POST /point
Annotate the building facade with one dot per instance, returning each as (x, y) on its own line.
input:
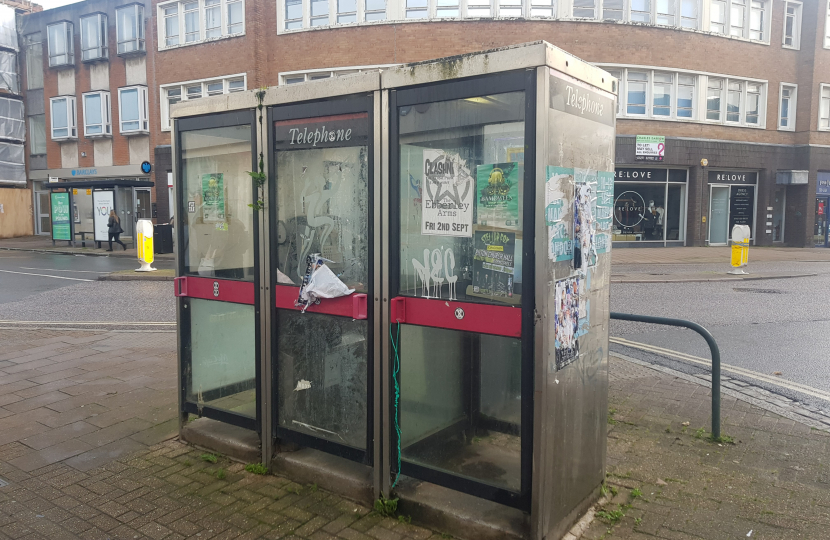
(88, 108)
(724, 105)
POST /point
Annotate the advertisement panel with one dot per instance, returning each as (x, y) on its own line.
(102, 204)
(60, 217)
(650, 148)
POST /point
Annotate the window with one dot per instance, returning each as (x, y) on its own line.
(346, 11)
(193, 21)
(447, 8)
(641, 11)
(824, 107)
(827, 28)
(37, 134)
(542, 8)
(187, 91)
(714, 93)
(8, 72)
(64, 125)
(61, 44)
(617, 74)
(94, 37)
(739, 18)
(375, 10)
(662, 91)
(132, 106)
(733, 101)
(688, 13)
(613, 9)
(685, 96)
(34, 60)
(319, 12)
(637, 83)
(792, 25)
(665, 12)
(97, 121)
(130, 28)
(753, 103)
(584, 8)
(295, 77)
(510, 8)
(294, 14)
(786, 107)
(478, 8)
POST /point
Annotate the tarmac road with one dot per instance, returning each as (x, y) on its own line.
(766, 326)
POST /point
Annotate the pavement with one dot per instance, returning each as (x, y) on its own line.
(44, 243)
(89, 450)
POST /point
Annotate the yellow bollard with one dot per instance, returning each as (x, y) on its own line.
(144, 245)
(740, 249)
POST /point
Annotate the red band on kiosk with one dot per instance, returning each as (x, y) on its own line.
(354, 306)
(469, 317)
(225, 290)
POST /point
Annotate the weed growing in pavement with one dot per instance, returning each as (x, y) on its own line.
(611, 413)
(386, 507)
(611, 516)
(723, 439)
(313, 488)
(405, 519)
(220, 474)
(700, 433)
(637, 521)
(256, 468)
(187, 463)
(210, 458)
(668, 430)
(445, 535)
(636, 493)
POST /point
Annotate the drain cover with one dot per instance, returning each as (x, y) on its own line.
(758, 291)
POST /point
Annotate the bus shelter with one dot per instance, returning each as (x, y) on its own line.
(409, 270)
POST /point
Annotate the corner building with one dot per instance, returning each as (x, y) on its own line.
(733, 94)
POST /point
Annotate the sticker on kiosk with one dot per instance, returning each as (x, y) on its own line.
(447, 195)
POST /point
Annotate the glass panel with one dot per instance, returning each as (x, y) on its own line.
(223, 356)
(675, 219)
(688, 13)
(641, 11)
(236, 17)
(236, 85)
(191, 22)
(663, 84)
(416, 9)
(779, 198)
(346, 11)
(447, 8)
(584, 8)
(733, 102)
(612, 9)
(194, 92)
(219, 236)
(330, 355)
(785, 106)
(34, 61)
(37, 134)
(719, 215)
(171, 25)
(480, 9)
(637, 92)
(717, 12)
(665, 12)
(639, 211)
(319, 12)
(789, 25)
(736, 18)
(713, 98)
(213, 19)
(58, 50)
(129, 109)
(685, 96)
(293, 14)
(756, 20)
(128, 29)
(820, 231)
(461, 208)
(453, 421)
(59, 116)
(510, 8)
(91, 41)
(215, 88)
(824, 108)
(92, 112)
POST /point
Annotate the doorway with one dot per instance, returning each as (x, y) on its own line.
(143, 209)
(820, 234)
(779, 202)
(44, 221)
(718, 215)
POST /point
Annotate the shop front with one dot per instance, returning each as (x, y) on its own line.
(821, 237)
(650, 206)
(363, 270)
(732, 201)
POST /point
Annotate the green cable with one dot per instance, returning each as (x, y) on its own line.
(396, 370)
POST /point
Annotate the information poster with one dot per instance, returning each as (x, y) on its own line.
(497, 192)
(650, 148)
(60, 217)
(605, 211)
(559, 183)
(447, 195)
(213, 198)
(102, 204)
(741, 206)
(494, 263)
(566, 322)
(585, 204)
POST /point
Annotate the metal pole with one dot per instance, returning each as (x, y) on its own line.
(713, 349)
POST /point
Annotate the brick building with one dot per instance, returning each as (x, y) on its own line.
(735, 94)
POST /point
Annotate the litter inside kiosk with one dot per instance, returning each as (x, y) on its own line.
(397, 283)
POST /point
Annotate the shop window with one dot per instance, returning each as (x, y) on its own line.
(130, 28)
(219, 231)
(651, 208)
(637, 85)
(34, 60)
(132, 106)
(824, 107)
(97, 121)
(792, 25)
(64, 126)
(787, 107)
(208, 20)
(543, 8)
(37, 134)
(61, 44)
(173, 93)
(739, 18)
(94, 37)
(375, 10)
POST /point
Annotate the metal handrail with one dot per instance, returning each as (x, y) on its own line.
(713, 348)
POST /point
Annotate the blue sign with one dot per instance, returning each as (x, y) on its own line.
(84, 172)
(823, 184)
(146, 167)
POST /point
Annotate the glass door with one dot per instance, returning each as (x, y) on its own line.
(779, 202)
(322, 273)
(217, 238)
(142, 204)
(718, 215)
(820, 234)
(44, 220)
(458, 231)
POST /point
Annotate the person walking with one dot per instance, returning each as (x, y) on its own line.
(114, 230)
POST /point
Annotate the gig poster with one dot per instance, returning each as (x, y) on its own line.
(213, 198)
(447, 195)
(605, 211)
(585, 202)
(497, 193)
(566, 321)
(558, 187)
(494, 263)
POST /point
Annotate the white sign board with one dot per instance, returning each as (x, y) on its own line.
(650, 148)
(447, 197)
(102, 203)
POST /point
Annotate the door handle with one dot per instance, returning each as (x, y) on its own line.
(398, 309)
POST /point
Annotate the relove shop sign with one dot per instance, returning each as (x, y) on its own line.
(732, 177)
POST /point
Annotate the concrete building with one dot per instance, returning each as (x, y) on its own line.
(738, 89)
(88, 107)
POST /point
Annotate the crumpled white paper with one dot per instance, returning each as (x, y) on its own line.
(323, 283)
